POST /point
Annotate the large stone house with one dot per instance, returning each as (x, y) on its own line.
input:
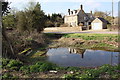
(78, 17)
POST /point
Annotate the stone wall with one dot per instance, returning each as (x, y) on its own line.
(63, 29)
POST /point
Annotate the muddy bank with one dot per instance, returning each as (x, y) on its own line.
(85, 44)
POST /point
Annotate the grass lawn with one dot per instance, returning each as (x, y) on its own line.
(90, 36)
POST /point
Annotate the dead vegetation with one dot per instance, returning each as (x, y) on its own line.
(23, 40)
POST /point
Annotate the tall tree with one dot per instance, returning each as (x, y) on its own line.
(54, 20)
(8, 20)
(39, 18)
(32, 18)
(105, 15)
(21, 21)
(5, 10)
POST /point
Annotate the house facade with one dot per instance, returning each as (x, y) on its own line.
(78, 17)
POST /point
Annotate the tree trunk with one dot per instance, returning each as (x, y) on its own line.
(7, 40)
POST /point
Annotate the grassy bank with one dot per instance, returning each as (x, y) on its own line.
(95, 41)
(14, 69)
(86, 36)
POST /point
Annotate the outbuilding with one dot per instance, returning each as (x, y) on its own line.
(99, 24)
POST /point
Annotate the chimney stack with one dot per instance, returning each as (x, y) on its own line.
(75, 11)
(81, 6)
(69, 11)
(91, 12)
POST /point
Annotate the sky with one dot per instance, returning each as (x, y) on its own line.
(62, 6)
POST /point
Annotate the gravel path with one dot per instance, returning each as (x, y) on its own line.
(104, 32)
(76, 30)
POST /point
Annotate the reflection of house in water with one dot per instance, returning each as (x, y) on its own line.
(77, 51)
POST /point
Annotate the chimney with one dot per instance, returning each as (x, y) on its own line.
(81, 6)
(75, 11)
(69, 11)
(91, 12)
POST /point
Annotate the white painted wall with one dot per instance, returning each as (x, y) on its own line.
(97, 26)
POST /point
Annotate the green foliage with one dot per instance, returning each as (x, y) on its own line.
(69, 77)
(92, 36)
(22, 21)
(91, 74)
(7, 76)
(47, 66)
(14, 64)
(34, 68)
(49, 23)
(5, 62)
(73, 69)
(25, 69)
(54, 20)
(9, 21)
(38, 67)
(39, 63)
(31, 19)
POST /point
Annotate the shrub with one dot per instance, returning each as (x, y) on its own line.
(39, 63)
(14, 64)
(25, 69)
(47, 66)
(7, 76)
(60, 68)
(73, 69)
(5, 62)
(69, 76)
(64, 25)
(34, 68)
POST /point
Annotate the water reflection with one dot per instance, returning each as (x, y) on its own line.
(77, 51)
(81, 57)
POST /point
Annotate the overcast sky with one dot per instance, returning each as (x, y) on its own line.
(62, 6)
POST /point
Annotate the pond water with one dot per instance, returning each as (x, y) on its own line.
(82, 58)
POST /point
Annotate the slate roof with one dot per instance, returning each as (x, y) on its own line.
(103, 20)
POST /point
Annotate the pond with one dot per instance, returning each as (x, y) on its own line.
(82, 58)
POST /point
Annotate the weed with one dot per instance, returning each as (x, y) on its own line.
(14, 64)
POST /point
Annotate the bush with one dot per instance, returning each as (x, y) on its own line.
(64, 25)
(39, 66)
(73, 69)
(5, 62)
(49, 23)
(47, 66)
(34, 68)
(69, 76)
(14, 64)
(25, 69)
(39, 63)
(7, 76)
(60, 68)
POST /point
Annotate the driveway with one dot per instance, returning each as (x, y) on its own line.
(62, 30)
